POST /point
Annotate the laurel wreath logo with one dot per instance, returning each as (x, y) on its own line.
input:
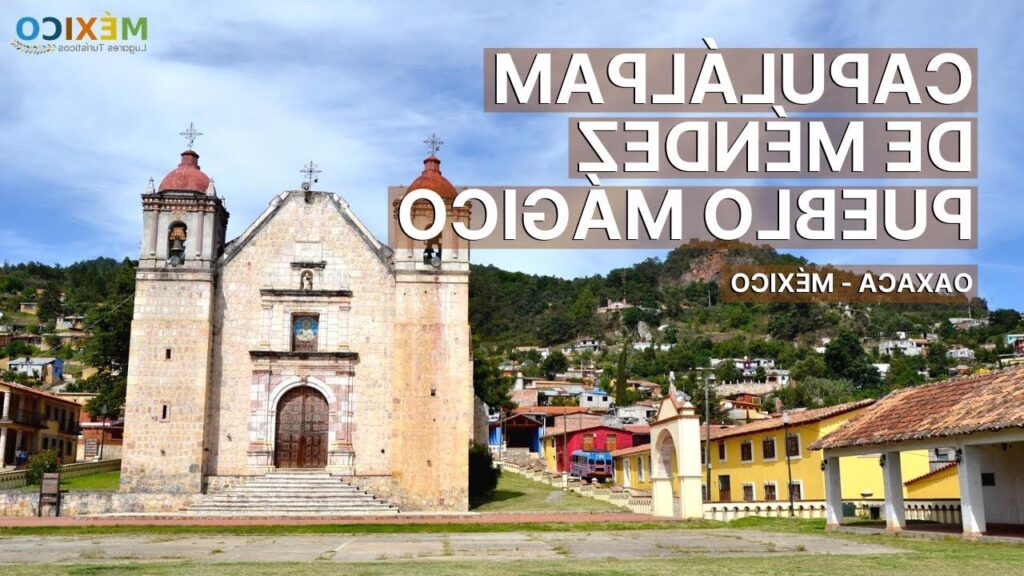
(33, 49)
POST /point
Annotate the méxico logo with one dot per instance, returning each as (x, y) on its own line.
(81, 34)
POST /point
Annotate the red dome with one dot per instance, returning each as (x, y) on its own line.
(187, 177)
(431, 179)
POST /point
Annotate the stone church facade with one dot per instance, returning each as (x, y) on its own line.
(303, 344)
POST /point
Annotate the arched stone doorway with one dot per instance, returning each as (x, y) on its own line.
(300, 439)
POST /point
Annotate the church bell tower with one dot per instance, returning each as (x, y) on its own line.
(432, 376)
(183, 228)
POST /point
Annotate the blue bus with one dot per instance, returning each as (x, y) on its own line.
(590, 465)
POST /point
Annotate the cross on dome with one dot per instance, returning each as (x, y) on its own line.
(190, 134)
(433, 144)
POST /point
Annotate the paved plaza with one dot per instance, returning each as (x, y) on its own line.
(628, 544)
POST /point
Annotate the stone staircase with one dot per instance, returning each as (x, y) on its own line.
(306, 494)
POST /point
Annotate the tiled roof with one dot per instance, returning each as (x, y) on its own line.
(20, 388)
(550, 410)
(575, 423)
(796, 418)
(963, 405)
(642, 448)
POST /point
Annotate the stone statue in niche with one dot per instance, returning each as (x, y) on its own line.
(306, 280)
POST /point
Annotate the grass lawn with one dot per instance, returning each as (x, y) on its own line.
(99, 482)
(517, 493)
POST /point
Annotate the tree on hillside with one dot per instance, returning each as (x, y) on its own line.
(845, 359)
(813, 366)
(488, 383)
(937, 361)
(555, 362)
(621, 388)
(110, 324)
(49, 303)
(904, 371)
(727, 371)
(813, 393)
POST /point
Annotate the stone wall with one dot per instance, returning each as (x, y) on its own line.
(19, 503)
(316, 231)
(168, 375)
(433, 398)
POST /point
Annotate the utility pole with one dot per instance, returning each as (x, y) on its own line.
(707, 433)
(565, 448)
(789, 465)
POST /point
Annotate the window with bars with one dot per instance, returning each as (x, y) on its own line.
(747, 451)
(796, 491)
(721, 451)
(770, 492)
(748, 492)
(793, 445)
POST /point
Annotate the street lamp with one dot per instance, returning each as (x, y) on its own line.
(789, 465)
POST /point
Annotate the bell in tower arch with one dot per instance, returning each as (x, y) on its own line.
(176, 244)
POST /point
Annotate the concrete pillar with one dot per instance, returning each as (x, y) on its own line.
(3, 446)
(8, 400)
(892, 480)
(689, 464)
(17, 440)
(972, 500)
(663, 503)
(833, 494)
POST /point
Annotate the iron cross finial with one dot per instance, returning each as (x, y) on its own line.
(190, 134)
(433, 144)
(311, 171)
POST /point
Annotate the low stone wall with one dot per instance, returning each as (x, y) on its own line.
(25, 503)
(726, 511)
(638, 503)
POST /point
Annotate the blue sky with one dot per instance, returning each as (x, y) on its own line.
(357, 86)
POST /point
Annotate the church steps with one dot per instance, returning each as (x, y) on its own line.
(292, 494)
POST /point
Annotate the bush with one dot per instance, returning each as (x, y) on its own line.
(40, 464)
(483, 476)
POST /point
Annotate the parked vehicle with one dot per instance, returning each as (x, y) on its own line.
(591, 465)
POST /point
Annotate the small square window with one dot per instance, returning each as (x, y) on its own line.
(165, 412)
(988, 479)
(167, 354)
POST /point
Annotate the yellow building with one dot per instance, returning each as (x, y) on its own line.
(753, 462)
(34, 421)
(939, 484)
(633, 467)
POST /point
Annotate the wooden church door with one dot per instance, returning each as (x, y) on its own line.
(301, 440)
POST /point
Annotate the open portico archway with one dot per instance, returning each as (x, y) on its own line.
(301, 430)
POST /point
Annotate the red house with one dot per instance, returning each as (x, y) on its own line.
(590, 437)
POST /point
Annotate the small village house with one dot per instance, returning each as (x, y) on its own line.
(981, 416)
(588, 433)
(48, 370)
(595, 399)
(34, 421)
(100, 438)
(29, 308)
